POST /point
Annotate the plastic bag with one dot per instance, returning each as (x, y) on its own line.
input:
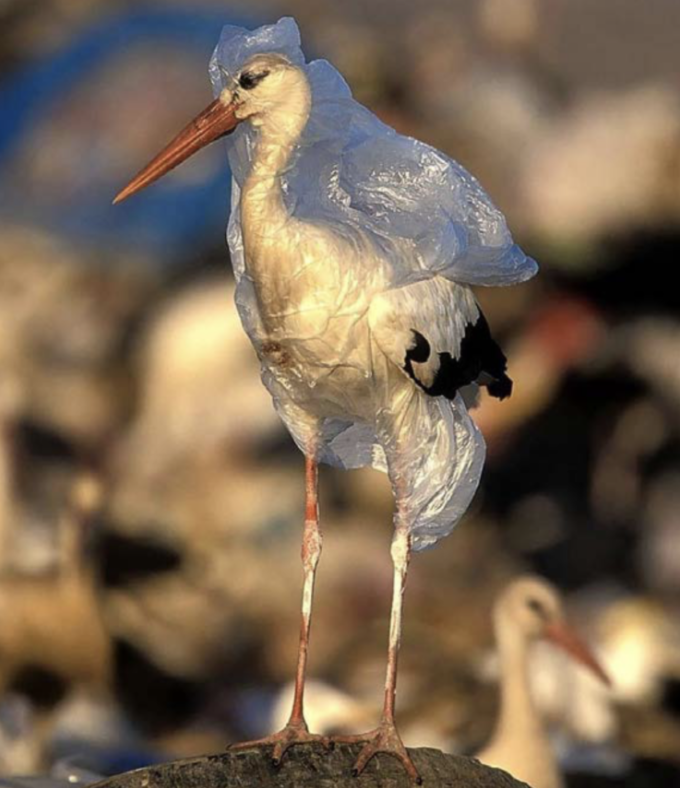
(381, 212)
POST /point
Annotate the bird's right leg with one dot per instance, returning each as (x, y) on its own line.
(385, 738)
(296, 730)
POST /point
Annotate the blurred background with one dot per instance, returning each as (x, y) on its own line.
(150, 501)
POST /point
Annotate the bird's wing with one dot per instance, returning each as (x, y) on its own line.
(406, 189)
(435, 332)
(434, 451)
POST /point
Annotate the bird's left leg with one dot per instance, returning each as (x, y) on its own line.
(385, 738)
(296, 730)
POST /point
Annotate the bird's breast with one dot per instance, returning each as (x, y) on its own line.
(313, 289)
(322, 358)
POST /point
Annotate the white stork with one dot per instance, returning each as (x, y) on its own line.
(353, 249)
(529, 609)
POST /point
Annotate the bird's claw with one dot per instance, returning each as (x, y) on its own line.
(295, 732)
(385, 739)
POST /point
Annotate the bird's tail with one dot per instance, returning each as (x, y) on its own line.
(500, 387)
(493, 362)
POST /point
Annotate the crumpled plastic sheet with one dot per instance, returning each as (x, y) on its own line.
(425, 219)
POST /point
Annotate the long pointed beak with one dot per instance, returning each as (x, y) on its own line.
(216, 120)
(566, 638)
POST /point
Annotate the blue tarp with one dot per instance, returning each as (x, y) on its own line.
(166, 222)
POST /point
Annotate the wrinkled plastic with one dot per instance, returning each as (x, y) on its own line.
(380, 211)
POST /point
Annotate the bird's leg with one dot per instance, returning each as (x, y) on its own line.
(311, 551)
(296, 731)
(385, 738)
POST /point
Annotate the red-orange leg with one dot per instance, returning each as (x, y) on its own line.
(296, 731)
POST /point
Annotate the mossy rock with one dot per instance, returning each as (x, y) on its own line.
(310, 766)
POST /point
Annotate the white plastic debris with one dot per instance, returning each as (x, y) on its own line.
(390, 231)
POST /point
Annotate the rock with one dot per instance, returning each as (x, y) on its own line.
(310, 766)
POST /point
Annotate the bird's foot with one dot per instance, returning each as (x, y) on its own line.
(295, 732)
(385, 738)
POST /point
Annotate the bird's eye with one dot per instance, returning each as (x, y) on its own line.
(249, 79)
(537, 607)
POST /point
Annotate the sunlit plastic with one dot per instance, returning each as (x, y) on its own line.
(401, 213)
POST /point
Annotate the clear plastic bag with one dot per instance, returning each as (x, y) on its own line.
(379, 206)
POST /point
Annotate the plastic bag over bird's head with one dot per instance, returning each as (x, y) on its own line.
(351, 167)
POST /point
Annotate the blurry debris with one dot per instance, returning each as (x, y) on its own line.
(605, 167)
(510, 24)
(92, 735)
(52, 636)
(200, 385)
(652, 350)
(613, 280)
(617, 481)
(328, 710)
(20, 752)
(9, 403)
(186, 497)
(570, 436)
(43, 688)
(123, 559)
(670, 697)
(75, 526)
(640, 639)
(66, 144)
(653, 739)
(52, 624)
(156, 700)
(361, 56)
(64, 322)
(435, 47)
(659, 550)
(74, 773)
(43, 444)
(32, 27)
(559, 336)
(537, 522)
(451, 707)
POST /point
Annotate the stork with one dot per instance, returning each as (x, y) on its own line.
(529, 609)
(354, 249)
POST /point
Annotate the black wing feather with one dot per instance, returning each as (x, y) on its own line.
(480, 358)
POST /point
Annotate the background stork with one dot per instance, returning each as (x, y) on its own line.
(528, 610)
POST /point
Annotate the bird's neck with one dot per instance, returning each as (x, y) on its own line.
(518, 716)
(264, 215)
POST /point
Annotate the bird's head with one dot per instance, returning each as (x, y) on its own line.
(531, 609)
(266, 86)
(267, 90)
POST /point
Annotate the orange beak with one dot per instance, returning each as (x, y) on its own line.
(216, 120)
(564, 636)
